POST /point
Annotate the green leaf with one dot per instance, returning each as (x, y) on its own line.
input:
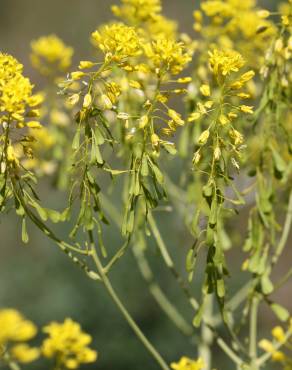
(170, 148)
(213, 212)
(53, 215)
(144, 166)
(279, 163)
(199, 315)
(24, 234)
(220, 288)
(266, 284)
(281, 312)
(158, 174)
(76, 140)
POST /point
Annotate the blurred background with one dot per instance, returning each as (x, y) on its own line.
(42, 282)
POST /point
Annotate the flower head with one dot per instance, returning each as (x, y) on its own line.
(68, 343)
(225, 62)
(14, 327)
(136, 11)
(117, 41)
(50, 55)
(16, 99)
(167, 55)
(15, 330)
(186, 363)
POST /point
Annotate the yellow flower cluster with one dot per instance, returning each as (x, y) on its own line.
(15, 330)
(68, 344)
(50, 55)
(136, 11)
(16, 100)
(282, 340)
(146, 14)
(117, 41)
(167, 55)
(18, 106)
(186, 363)
(235, 23)
(225, 62)
(225, 66)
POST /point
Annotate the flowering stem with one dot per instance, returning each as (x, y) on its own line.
(123, 309)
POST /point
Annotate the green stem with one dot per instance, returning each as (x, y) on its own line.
(123, 309)
(221, 343)
(162, 300)
(160, 297)
(253, 332)
(285, 234)
(169, 262)
(207, 335)
(237, 360)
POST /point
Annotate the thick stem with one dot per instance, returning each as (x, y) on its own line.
(162, 300)
(207, 335)
(169, 262)
(253, 333)
(123, 309)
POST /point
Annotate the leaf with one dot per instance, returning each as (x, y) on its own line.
(199, 315)
(281, 312)
(53, 215)
(158, 174)
(170, 148)
(144, 166)
(24, 234)
(266, 284)
(95, 153)
(41, 211)
(279, 163)
(76, 140)
(213, 212)
(220, 288)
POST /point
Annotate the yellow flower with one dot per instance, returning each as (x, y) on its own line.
(205, 90)
(87, 101)
(242, 80)
(194, 116)
(266, 345)
(16, 97)
(223, 119)
(117, 41)
(225, 62)
(136, 11)
(278, 333)
(77, 75)
(14, 327)
(24, 353)
(246, 109)
(186, 363)
(143, 121)
(50, 55)
(73, 99)
(167, 55)
(68, 343)
(84, 64)
(176, 117)
(203, 138)
(236, 136)
(34, 124)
